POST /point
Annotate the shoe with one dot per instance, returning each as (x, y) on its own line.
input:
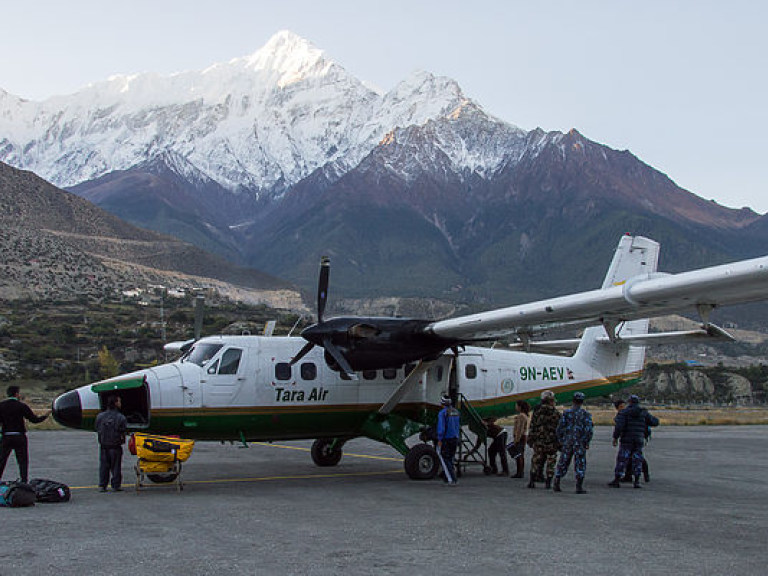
(102, 489)
(580, 486)
(636, 483)
(616, 482)
(516, 476)
(557, 485)
(118, 489)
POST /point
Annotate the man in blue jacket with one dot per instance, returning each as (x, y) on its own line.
(629, 431)
(448, 430)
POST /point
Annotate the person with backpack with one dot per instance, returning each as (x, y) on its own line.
(631, 428)
(13, 412)
(111, 427)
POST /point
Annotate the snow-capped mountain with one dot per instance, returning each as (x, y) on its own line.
(258, 123)
(277, 158)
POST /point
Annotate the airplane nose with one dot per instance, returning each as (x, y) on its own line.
(67, 410)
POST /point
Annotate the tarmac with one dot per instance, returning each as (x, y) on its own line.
(267, 509)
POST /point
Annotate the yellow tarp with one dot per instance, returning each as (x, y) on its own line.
(162, 448)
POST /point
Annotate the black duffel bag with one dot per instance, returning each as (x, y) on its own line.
(50, 490)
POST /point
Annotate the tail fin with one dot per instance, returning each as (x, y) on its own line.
(635, 256)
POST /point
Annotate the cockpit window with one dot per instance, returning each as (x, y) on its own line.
(201, 353)
(230, 361)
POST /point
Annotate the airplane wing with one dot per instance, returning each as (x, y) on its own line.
(642, 296)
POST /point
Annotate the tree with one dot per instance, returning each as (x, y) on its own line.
(108, 367)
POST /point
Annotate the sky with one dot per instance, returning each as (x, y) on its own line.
(681, 84)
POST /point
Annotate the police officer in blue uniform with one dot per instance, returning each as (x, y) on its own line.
(448, 430)
(574, 433)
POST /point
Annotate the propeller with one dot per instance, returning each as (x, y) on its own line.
(366, 343)
(322, 299)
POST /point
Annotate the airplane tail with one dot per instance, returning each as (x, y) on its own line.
(603, 347)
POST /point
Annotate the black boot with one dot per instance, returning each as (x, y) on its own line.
(580, 486)
(520, 464)
(616, 482)
(636, 483)
(532, 482)
(557, 484)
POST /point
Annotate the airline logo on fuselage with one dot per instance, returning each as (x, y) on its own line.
(314, 395)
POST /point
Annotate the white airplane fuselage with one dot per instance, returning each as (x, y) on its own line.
(247, 390)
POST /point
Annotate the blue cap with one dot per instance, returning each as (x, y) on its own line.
(579, 396)
(634, 399)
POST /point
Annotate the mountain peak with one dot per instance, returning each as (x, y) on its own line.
(290, 56)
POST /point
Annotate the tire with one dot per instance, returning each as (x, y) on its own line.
(323, 454)
(421, 462)
(162, 478)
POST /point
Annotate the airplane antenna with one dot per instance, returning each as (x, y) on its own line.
(299, 319)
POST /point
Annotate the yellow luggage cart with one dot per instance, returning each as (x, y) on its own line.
(160, 458)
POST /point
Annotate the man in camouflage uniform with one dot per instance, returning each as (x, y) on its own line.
(542, 437)
(574, 432)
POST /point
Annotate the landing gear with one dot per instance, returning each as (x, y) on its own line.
(326, 451)
(421, 462)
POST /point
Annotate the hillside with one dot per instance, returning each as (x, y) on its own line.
(57, 245)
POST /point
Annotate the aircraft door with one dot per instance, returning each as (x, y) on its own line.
(223, 377)
(471, 376)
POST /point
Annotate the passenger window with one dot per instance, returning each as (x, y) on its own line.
(308, 371)
(369, 374)
(389, 373)
(230, 361)
(470, 371)
(439, 373)
(283, 371)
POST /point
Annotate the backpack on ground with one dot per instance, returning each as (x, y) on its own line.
(50, 490)
(16, 494)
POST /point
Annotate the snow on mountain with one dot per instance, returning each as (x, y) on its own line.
(258, 123)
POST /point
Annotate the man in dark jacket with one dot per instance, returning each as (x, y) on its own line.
(111, 426)
(631, 428)
(542, 437)
(12, 414)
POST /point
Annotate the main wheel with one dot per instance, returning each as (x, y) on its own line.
(324, 454)
(421, 462)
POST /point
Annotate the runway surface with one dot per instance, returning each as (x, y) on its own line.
(267, 509)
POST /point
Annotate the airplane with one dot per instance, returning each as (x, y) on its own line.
(383, 378)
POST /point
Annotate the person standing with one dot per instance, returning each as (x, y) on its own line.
(111, 427)
(13, 412)
(620, 404)
(448, 430)
(498, 436)
(520, 436)
(574, 432)
(631, 428)
(542, 437)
